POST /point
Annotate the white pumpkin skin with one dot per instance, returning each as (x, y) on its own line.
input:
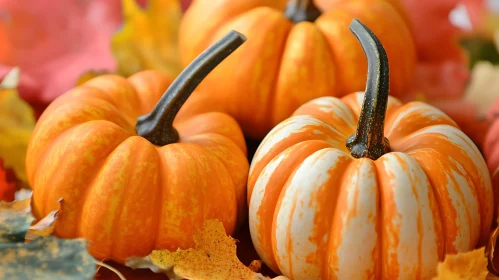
(315, 212)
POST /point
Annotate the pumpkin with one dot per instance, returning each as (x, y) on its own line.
(295, 53)
(131, 175)
(491, 143)
(329, 199)
(491, 147)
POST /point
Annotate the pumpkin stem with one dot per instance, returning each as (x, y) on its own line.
(369, 141)
(157, 126)
(302, 10)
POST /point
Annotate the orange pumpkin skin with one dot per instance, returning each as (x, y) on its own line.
(283, 65)
(316, 212)
(122, 193)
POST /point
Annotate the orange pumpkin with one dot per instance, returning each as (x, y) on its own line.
(294, 54)
(328, 200)
(133, 181)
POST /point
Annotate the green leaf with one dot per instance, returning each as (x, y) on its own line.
(15, 221)
(46, 258)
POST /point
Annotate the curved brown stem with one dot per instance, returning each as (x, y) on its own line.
(369, 141)
(157, 126)
(302, 10)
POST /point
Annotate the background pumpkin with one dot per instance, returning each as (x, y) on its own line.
(491, 147)
(131, 184)
(327, 201)
(284, 64)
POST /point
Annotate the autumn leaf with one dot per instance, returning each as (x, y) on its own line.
(214, 257)
(54, 44)
(483, 89)
(16, 124)
(466, 266)
(45, 256)
(148, 38)
(7, 186)
(85, 77)
(437, 39)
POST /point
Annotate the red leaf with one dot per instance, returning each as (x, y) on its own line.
(436, 38)
(7, 184)
(54, 44)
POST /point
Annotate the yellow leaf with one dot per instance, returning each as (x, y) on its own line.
(90, 75)
(483, 89)
(148, 39)
(214, 257)
(466, 266)
(17, 121)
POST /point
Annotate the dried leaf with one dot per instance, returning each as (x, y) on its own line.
(45, 257)
(148, 39)
(466, 266)
(16, 124)
(45, 226)
(54, 45)
(214, 257)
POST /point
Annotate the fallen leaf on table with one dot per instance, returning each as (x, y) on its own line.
(466, 266)
(15, 220)
(44, 257)
(54, 46)
(214, 257)
(148, 38)
(16, 124)
(45, 226)
(7, 186)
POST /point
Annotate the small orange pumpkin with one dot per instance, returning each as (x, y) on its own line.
(328, 200)
(133, 181)
(295, 53)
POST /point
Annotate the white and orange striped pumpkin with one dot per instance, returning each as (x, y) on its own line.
(375, 208)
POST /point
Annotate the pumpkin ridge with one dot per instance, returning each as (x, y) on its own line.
(326, 265)
(292, 60)
(210, 33)
(119, 212)
(81, 200)
(240, 203)
(438, 200)
(294, 156)
(161, 183)
(46, 150)
(124, 117)
(271, 98)
(453, 138)
(92, 177)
